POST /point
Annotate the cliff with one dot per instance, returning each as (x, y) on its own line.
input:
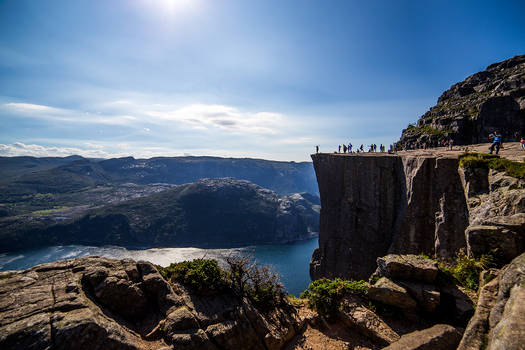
(493, 99)
(375, 204)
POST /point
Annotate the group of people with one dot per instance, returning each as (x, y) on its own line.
(361, 149)
(495, 137)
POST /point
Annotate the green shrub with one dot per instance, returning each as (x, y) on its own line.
(199, 274)
(324, 295)
(243, 277)
(491, 161)
(466, 270)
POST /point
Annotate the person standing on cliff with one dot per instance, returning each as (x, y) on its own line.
(349, 147)
(317, 149)
(522, 142)
(496, 142)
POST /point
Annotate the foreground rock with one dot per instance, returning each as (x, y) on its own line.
(407, 267)
(97, 303)
(409, 283)
(390, 293)
(499, 321)
(355, 314)
(438, 337)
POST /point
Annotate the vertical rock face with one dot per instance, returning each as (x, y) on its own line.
(375, 204)
(435, 199)
(362, 201)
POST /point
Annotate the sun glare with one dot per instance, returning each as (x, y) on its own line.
(175, 6)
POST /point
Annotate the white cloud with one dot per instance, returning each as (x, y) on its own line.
(21, 149)
(127, 113)
(29, 110)
(228, 118)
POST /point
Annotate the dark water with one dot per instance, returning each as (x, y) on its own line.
(289, 260)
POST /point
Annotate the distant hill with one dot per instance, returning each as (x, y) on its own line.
(28, 176)
(469, 111)
(222, 212)
(12, 167)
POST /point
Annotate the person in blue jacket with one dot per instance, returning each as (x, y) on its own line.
(496, 141)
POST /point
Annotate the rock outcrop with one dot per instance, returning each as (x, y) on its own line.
(487, 101)
(375, 204)
(372, 205)
(98, 303)
(499, 321)
(411, 284)
(496, 205)
(438, 337)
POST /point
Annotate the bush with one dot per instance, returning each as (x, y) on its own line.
(244, 277)
(200, 274)
(261, 284)
(324, 295)
(466, 270)
(491, 161)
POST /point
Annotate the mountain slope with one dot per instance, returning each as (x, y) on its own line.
(210, 212)
(282, 177)
(469, 111)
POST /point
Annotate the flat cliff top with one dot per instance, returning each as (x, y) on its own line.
(510, 150)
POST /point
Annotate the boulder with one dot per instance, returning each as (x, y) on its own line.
(457, 303)
(390, 293)
(427, 296)
(438, 337)
(407, 267)
(355, 314)
(498, 241)
(475, 335)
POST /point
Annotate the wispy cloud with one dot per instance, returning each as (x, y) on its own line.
(30, 110)
(124, 112)
(228, 118)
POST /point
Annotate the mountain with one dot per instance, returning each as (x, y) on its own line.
(12, 167)
(469, 111)
(222, 212)
(77, 174)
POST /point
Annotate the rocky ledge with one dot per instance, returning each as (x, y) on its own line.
(375, 204)
(98, 303)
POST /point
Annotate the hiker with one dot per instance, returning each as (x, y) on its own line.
(339, 149)
(496, 142)
(451, 143)
(522, 142)
(317, 149)
(349, 147)
(361, 148)
(344, 148)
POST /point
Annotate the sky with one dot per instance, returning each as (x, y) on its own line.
(234, 78)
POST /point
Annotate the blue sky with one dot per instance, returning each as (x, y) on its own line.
(265, 79)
